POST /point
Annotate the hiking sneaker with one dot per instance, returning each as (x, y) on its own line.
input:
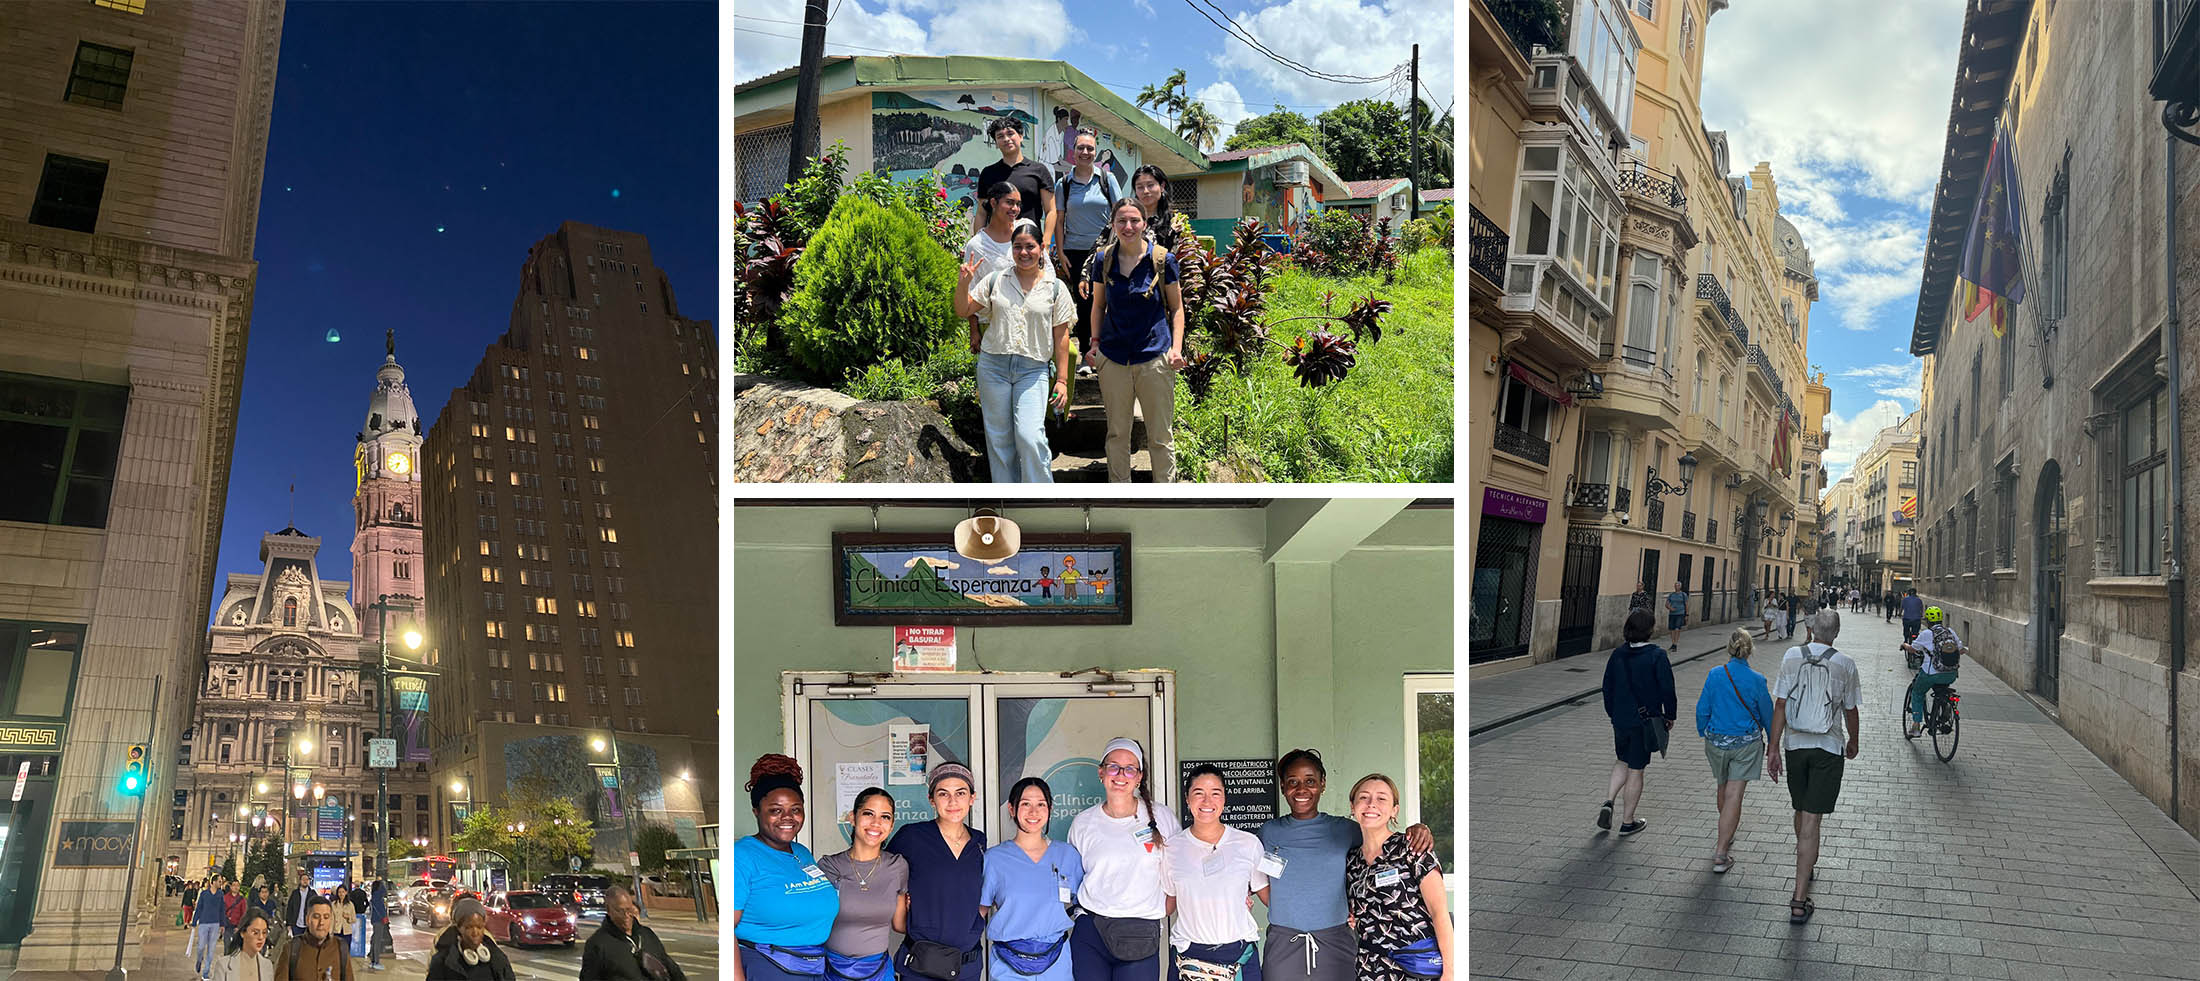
(1632, 826)
(1604, 816)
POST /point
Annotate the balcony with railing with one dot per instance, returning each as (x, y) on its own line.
(1637, 179)
(1708, 288)
(1517, 442)
(1591, 497)
(1564, 314)
(1486, 247)
(1761, 359)
(1656, 513)
(1711, 531)
(1688, 525)
(1622, 499)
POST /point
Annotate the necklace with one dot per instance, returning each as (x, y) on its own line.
(864, 881)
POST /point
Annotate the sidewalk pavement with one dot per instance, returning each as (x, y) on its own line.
(1499, 699)
(2023, 857)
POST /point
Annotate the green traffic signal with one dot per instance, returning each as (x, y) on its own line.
(134, 774)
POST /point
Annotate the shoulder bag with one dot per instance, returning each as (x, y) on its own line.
(1767, 730)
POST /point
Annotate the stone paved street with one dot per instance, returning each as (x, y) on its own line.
(2024, 857)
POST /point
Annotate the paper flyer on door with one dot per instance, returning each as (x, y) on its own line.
(906, 748)
(849, 779)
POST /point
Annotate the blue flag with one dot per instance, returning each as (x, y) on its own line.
(1992, 271)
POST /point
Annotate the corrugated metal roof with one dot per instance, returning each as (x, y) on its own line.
(1243, 153)
(1437, 194)
(1371, 189)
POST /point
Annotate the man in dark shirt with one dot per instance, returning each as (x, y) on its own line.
(1032, 179)
(623, 949)
(1913, 614)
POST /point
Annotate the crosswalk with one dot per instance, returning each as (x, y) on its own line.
(694, 949)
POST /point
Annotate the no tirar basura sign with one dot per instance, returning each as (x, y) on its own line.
(898, 578)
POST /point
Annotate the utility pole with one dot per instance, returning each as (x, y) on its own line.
(805, 90)
(1413, 123)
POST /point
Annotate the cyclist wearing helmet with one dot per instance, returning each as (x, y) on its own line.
(1935, 652)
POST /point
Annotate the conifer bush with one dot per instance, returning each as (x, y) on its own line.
(871, 287)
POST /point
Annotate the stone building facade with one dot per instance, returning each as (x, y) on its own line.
(132, 141)
(1642, 333)
(1887, 478)
(2047, 459)
(570, 518)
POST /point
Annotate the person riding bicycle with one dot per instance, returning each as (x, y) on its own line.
(1935, 652)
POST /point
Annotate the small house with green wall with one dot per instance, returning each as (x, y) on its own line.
(1388, 197)
(909, 114)
(1280, 185)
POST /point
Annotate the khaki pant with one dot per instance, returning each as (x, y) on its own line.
(1152, 385)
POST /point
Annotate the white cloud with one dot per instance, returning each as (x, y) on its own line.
(1000, 28)
(1898, 380)
(768, 33)
(1001, 570)
(1224, 101)
(1340, 37)
(1848, 437)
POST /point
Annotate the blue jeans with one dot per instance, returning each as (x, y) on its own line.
(209, 946)
(1012, 394)
(1922, 684)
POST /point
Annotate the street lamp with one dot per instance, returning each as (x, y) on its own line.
(412, 638)
(614, 781)
(1688, 476)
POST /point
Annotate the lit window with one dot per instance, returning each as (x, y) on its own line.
(126, 6)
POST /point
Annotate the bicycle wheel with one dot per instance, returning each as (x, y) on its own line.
(1907, 718)
(1946, 732)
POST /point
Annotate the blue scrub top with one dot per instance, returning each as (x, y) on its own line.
(1026, 895)
(1136, 327)
(784, 898)
(943, 889)
(1310, 895)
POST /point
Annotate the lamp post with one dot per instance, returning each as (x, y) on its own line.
(519, 842)
(462, 792)
(610, 743)
(1688, 476)
(381, 606)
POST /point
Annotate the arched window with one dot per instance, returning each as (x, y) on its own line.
(290, 612)
(1695, 398)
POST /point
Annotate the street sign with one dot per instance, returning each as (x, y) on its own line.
(22, 776)
(382, 754)
(634, 859)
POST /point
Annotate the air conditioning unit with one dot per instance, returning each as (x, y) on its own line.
(1291, 172)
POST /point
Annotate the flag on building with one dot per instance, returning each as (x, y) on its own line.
(1993, 270)
(1907, 514)
(1782, 460)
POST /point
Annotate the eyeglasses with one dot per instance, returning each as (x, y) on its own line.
(1120, 770)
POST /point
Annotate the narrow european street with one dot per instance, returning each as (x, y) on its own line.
(2023, 857)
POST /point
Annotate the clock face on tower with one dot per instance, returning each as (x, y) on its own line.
(399, 463)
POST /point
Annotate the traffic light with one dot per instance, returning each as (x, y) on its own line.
(134, 773)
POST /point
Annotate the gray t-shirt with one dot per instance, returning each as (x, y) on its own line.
(868, 895)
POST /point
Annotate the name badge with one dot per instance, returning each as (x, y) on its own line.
(813, 871)
(1212, 865)
(1144, 836)
(1064, 891)
(1387, 877)
(1271, 865)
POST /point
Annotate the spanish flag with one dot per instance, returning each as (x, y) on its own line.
(1992, 271)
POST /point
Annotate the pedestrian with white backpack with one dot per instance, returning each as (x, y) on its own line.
(1814, 721)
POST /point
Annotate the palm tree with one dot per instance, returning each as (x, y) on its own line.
(1166, 98)
(1199, 127)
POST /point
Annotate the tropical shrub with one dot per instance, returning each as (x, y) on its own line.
(1332, 242)
(870, 288)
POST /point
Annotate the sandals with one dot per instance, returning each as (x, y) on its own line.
(1604, 816)
(1721, 863)
(1807, 908)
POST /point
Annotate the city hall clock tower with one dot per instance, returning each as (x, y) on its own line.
(386, 546)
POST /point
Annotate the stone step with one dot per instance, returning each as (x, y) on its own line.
(1070, 469)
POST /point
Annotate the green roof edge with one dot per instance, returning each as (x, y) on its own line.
(960, 69)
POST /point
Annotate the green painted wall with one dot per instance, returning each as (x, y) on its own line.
(1205, 604)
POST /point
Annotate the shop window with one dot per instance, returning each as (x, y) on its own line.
(42, 658)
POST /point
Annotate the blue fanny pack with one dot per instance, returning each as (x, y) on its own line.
(1421, 959)
(1030, 957)
(855, 968)
(807, 961)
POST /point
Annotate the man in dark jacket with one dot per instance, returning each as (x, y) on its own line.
(299, 903)
(623, 949)
(1638, 689)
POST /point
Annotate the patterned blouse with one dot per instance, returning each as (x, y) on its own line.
(1385, 900)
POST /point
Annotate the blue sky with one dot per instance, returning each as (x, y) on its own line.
(416, 153)
(1128, 45)
(1849, 103)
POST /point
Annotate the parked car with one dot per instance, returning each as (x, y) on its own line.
(581, 892)
(664, 885)
(432, 904)
(526, 917)
(404, 896)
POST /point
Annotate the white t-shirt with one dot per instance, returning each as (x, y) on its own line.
(1122, 864)
(1834, 740)
(991, 257)
(1210, 883)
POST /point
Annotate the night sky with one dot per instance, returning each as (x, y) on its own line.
(417, 151)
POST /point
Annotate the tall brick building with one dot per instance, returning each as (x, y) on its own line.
(132, 140)
(571, 522)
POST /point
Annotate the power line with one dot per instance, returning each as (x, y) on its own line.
(768, 20)
(843, 44)
(1234, 30)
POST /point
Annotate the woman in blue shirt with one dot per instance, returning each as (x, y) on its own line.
(1731, 716)
(1028, 884)
(1308, 938)
(1138, 328)
(946, 860)
(783, 905)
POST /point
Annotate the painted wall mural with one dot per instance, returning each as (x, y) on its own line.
(943, 131)
(1279, 206)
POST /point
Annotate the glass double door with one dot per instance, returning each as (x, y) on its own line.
(891, 734)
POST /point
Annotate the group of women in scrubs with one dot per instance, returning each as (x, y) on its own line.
(1131, 896)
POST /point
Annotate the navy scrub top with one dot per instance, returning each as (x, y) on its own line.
(1135, 327)
(943, 889)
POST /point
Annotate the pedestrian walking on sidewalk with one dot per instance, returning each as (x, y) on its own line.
(1768, 612)
(1642, 599)
(246, 958)
(1794, 610)
(464, 952)
(1676, 614)
(1913, 615)
(207, 920)
(1731, 714)
(1639, 699)
(378, 915)
(1816, 693)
